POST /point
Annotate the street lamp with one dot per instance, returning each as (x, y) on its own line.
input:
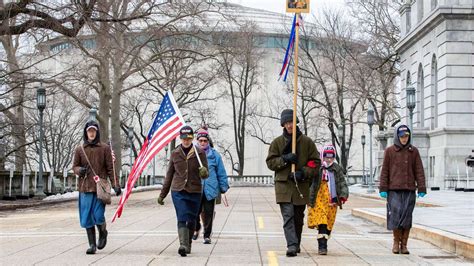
(362, 141)
(370, 122)
(130, 138)
(93, 114)
(41, 105)
(411, 103)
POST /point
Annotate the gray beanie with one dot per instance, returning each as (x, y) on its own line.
(287, 116)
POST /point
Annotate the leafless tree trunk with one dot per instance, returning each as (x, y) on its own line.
(14, 111)
(239, 61)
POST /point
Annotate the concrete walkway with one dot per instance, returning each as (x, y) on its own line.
(444, 218)
(248, 232)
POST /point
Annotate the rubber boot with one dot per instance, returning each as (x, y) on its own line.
(397, 236)
(102, 235)
(191, 233)
(320, 246)
(404, 241)
(91, 237)
(323, 250)
(183, 234)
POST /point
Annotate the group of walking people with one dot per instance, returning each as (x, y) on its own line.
(196, 178)
(319, 183)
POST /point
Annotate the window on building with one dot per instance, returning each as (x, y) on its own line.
(408, 20)
(431, 171)
(420, 88)
(434, 93)
(419, 10)
(407, 84)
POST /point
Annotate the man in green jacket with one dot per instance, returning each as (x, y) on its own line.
(292, 189)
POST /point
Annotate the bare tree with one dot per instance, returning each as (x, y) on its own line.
(380, 29)
(63, 132)
(63, 17)
(326, 76)
(239, 61)
(117, 50)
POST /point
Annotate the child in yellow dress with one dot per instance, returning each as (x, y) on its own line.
(328, 190)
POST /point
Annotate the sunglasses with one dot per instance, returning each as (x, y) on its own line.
(203, 140)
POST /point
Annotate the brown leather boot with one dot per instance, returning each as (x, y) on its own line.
(404, 241)
(397, 235)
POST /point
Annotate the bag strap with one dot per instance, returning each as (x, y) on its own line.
(87, 159)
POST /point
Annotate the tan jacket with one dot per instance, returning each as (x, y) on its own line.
(183, 172)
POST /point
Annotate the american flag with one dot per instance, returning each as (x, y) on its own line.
(165, 127)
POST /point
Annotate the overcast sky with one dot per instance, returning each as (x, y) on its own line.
(279, 5)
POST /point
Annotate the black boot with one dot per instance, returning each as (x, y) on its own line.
(102, 236)
(191, 233)
(322, 246)
(91, 237)
(291, 251)
(183, 234)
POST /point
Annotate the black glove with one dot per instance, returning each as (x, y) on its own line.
(82, 171)
(290, 158)
(299, 175)
(118, 191)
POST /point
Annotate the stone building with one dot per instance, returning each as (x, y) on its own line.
(437, 59)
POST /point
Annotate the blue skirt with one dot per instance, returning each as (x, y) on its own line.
(91, 210)
(400, 206)
(186, 205)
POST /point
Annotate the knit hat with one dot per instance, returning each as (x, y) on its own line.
(202, 133)
(287, 116)
(186, 132)
(402, 131)
(329, 151)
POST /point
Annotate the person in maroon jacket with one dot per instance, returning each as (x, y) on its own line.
(401, 176)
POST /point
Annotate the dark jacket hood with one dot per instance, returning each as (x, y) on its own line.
(97, 136)
(396, 139)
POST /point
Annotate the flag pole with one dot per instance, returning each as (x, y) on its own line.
(295, 89)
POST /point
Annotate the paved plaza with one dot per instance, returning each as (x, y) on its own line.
(248, 232)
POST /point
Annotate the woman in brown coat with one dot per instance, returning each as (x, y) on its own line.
(90, 159)
(184, 179)
(402, 174)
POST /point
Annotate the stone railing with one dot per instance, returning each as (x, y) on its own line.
(22, 185)
(251, 180)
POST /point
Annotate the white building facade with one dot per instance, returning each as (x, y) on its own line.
(437, 59)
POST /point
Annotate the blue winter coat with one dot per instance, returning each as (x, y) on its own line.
(217, 181)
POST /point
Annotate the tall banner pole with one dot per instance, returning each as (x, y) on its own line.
(295, 89)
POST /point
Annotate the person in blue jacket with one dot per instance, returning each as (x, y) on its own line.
(213, 186)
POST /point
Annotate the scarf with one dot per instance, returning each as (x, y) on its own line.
(328, 176)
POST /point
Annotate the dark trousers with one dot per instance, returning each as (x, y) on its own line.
(293, 221)
(207, 214)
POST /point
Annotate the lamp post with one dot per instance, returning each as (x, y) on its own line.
(362, 141)
(93, 114)
(411, 103)
(370, 122)
(130, 139)
(41, 105)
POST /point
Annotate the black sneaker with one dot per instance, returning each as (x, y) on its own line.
(207, 240)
